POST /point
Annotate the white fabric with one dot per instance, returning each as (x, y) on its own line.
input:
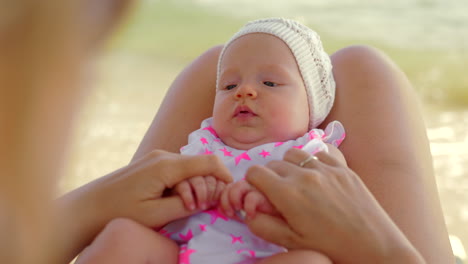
(211, 238)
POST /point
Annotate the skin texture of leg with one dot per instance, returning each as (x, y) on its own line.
(297, 256)
(125, 241)
(386, 142)
(192, 105)
(388, 147)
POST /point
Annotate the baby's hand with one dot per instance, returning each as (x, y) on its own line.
(200, 192)
(243, 196)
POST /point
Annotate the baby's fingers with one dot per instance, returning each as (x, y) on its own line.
(185, 191)
(225, 205)
(220, 187)
(200, 189)
(237, 193)
(211, 183)
(256, 201)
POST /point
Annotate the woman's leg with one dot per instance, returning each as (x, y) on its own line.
(297, 256)
(187, 103)
(387, 145)
(125, 241)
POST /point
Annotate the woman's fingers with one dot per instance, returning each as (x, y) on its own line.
(272, 185)
(171, 168)
(296, 156)
(273, 229)
(159, 212)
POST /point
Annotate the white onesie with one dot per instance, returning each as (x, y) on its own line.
(210, 237)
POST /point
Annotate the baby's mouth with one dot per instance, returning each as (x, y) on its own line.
(243, 111)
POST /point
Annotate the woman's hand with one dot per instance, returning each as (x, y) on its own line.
(136, 191)
(241, 195)
(325, 206)
(200, 192)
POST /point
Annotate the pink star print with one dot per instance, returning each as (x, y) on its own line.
(207, 152)
(236, 239)
(338, 141)
(313, 135)
(204, 141)
(211, 130)
(184, 255)
(251, 252)
(186, 237)
(215, 215)
(244, 155)
(226, 152)
(277, 144)
(298, 147)
(264, 153)
(202, 227)
(165, 233)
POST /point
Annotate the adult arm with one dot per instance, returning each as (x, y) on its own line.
(134, 191)
(386, 142)
(187, 103)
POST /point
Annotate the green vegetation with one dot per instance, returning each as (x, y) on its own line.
(178, 31)
(173, 29)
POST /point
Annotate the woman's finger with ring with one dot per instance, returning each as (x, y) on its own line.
(300, 158)
(307, 160)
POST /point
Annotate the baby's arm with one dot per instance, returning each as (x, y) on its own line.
(200, 192)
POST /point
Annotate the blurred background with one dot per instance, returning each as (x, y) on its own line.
(428, 39)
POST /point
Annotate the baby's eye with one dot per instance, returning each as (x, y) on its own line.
(231, 86)
(268, 83)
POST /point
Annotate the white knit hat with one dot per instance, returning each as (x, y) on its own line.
(314, 63)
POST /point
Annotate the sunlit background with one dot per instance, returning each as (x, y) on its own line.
(428, 39)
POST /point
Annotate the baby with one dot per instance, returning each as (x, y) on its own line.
(274, 87)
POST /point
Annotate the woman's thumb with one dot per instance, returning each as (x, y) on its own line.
(160, 212)
(273, 229)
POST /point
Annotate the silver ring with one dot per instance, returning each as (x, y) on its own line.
(307, 160)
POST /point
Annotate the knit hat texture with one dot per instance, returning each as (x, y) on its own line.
(314, 63)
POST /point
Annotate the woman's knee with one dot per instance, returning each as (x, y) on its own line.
(363, 69)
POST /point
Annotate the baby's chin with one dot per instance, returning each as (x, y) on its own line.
(246, 143)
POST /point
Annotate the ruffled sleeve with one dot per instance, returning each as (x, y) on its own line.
(334, 133)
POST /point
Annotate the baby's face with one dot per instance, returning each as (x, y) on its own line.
(260, 97)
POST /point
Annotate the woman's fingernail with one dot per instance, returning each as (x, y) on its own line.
(241, 214)
(192, 207)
